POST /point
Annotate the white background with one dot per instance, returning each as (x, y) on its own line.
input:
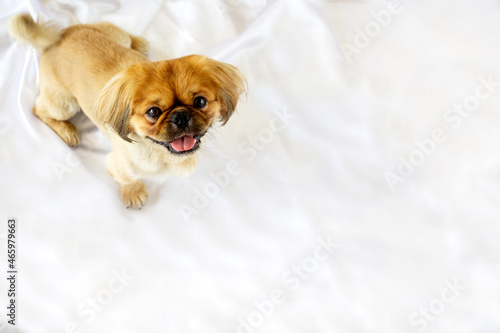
(357, 89)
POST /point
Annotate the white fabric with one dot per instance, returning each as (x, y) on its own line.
(342, 95)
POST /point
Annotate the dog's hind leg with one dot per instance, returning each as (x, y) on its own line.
(54, 106)
(140, 44)
(123, 38)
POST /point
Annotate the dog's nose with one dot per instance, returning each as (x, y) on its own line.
(181, 118)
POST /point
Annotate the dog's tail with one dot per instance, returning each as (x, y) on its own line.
(41, 35)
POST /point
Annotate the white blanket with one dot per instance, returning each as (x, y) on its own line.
(356, 189)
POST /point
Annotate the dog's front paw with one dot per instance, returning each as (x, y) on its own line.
(134, 195)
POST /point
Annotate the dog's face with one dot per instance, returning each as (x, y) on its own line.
(170, 104)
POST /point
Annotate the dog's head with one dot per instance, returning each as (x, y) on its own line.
(170, 104)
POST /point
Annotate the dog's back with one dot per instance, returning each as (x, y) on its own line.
(42, 35)
(75, 64)
(80, 58)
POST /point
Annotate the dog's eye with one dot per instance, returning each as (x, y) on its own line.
(199, 102)
(154, 113)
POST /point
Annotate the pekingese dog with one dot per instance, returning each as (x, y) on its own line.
(154, 113)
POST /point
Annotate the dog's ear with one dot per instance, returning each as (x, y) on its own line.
(113, 107)
(231, 85)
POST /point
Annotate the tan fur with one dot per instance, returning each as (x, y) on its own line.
(40, 35)
(104, 71)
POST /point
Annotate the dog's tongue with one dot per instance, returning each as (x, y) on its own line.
(183, 144)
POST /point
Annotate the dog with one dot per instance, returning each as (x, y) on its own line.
(154, 113)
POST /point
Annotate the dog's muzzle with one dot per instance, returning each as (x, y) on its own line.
(182, 145)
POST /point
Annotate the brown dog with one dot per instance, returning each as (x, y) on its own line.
(154, 113)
